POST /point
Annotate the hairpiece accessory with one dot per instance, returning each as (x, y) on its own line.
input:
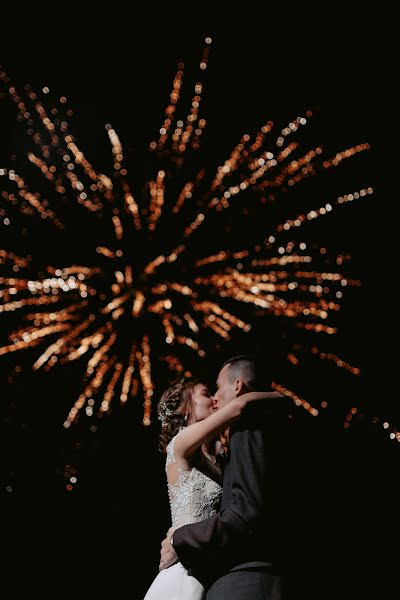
(164, 412)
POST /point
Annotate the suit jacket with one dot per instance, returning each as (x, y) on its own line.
(249, 530)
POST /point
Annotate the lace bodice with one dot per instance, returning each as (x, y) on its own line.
(194, 496)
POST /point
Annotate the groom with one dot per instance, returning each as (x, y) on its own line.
(239, 552)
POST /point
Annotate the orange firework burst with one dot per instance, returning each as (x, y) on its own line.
(150, 290)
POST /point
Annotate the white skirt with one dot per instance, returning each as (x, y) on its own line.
(175, 583)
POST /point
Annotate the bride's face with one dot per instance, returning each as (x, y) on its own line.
(202, 404)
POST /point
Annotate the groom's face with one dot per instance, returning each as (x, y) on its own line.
(226, 389)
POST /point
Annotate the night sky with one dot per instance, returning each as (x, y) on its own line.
(274, 69)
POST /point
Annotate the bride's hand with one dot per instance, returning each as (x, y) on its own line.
(250, 396)
(273, 395)
(168, 555)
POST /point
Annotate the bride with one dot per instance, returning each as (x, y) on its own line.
(189, 428)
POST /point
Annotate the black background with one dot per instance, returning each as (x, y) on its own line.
(111, 69)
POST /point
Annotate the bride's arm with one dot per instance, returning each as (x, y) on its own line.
(193, 436)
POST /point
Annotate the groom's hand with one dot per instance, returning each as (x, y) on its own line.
(168, 556)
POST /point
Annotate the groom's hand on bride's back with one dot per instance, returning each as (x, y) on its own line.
(168, 556)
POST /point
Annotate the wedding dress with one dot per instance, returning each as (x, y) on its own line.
(193, 497)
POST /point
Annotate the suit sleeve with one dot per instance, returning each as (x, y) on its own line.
(223, 535)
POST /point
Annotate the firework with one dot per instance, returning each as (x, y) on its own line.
(150, 291)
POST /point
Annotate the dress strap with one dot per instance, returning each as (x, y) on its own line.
(170, 452)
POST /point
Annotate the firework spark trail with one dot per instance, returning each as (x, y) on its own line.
(94, 305)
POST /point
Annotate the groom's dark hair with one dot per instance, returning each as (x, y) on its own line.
(251, 370)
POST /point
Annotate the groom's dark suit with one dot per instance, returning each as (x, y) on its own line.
(238, 553)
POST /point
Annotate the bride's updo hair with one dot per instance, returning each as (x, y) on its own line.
(173, 409)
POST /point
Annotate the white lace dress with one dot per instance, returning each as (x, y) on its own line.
(193, 498)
